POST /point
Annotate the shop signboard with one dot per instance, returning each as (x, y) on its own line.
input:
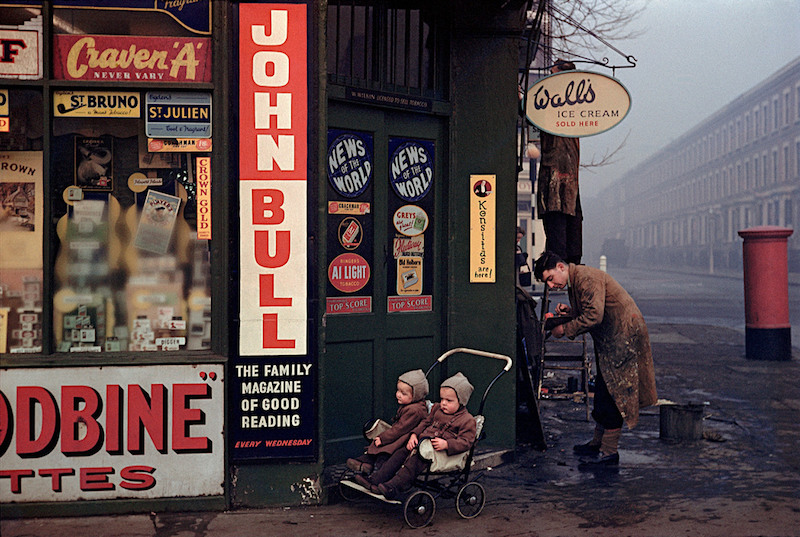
(179, 145)
(96, 103)
(5, 123)
(203, 171)
(273, 169)
(171, 114)
(194, 15)
(350, 167)
(112, 432)
(411, 204)
(131, 58)
(482, 229)
(577, 103)
(272, 398)
(20, 54)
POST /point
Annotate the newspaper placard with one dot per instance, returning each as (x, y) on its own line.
(157, 222)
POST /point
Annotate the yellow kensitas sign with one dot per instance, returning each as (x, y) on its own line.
(96, 104)
(482, 227)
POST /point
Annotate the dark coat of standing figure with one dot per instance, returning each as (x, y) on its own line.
(558, 200)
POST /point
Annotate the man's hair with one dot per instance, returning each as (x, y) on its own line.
(546, 261)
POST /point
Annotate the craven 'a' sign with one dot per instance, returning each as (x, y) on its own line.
(577, 103)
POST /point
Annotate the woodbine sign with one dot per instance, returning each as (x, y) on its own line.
(577, 103)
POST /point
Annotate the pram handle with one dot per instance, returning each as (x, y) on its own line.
(486, 354)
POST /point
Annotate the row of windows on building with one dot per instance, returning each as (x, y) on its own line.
(737, 179)
(717, 227)
(747, 127)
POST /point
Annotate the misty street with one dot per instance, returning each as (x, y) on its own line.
(682, 298)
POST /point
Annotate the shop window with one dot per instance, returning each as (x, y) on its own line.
(380, 46)
(132, 264)
(21, 220)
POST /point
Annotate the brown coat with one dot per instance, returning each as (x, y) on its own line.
(458, 429)
(621, 342)
(407, 418)
(557, 183)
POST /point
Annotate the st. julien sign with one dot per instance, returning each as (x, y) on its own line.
(577, 103)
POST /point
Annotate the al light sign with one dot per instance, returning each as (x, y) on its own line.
(575, 104)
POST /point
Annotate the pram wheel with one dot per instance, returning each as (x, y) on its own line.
(470, 500)
(348, 493)
(419, 509)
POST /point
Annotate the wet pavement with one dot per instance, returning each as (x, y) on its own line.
(741, 479)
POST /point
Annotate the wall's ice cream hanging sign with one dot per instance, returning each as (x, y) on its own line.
(411, 169)
(577, 103)
(410, 220)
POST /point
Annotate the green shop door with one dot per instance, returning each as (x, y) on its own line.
(385, 261)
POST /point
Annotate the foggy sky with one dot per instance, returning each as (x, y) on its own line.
(693, 58)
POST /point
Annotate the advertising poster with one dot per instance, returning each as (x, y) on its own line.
(274, 417)
(21, 53)
(125, 58)
(203, 171)
(272, 401)
(94, 162)
(350, 164)
(157, 222)
(5, 123)
(21, 210)
(577, 103)
(482, 229)
(411, 204)
(116, 104)
(112, 432)
(194, 15)
(171, 114)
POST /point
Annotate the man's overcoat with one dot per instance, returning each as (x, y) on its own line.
(605, 310)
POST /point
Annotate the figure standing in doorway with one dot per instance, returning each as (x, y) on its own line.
(558, 200)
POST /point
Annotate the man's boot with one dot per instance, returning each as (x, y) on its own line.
(608, 456)
(592, 447)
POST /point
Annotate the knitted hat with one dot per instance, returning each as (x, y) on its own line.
(419, 384)
(460, 385)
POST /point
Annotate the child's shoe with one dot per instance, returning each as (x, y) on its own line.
(359, 467)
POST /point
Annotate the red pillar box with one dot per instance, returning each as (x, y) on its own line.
(768, 333)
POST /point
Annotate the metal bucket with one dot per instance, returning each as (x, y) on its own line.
(681, 423)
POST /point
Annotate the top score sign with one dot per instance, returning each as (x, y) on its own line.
(577, 103)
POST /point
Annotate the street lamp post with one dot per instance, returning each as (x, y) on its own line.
(711, 236)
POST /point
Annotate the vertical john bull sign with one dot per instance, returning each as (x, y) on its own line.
(272, 406)
(351, 234)
(272, 172)
(577, 103)
(482, 221)
(110, 433)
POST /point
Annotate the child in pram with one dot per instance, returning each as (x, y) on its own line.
(449, 425)
(412, 388)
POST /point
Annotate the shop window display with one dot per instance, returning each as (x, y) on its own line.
(21, 221)
(130, 272)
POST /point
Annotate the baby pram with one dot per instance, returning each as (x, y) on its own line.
(447, 476)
